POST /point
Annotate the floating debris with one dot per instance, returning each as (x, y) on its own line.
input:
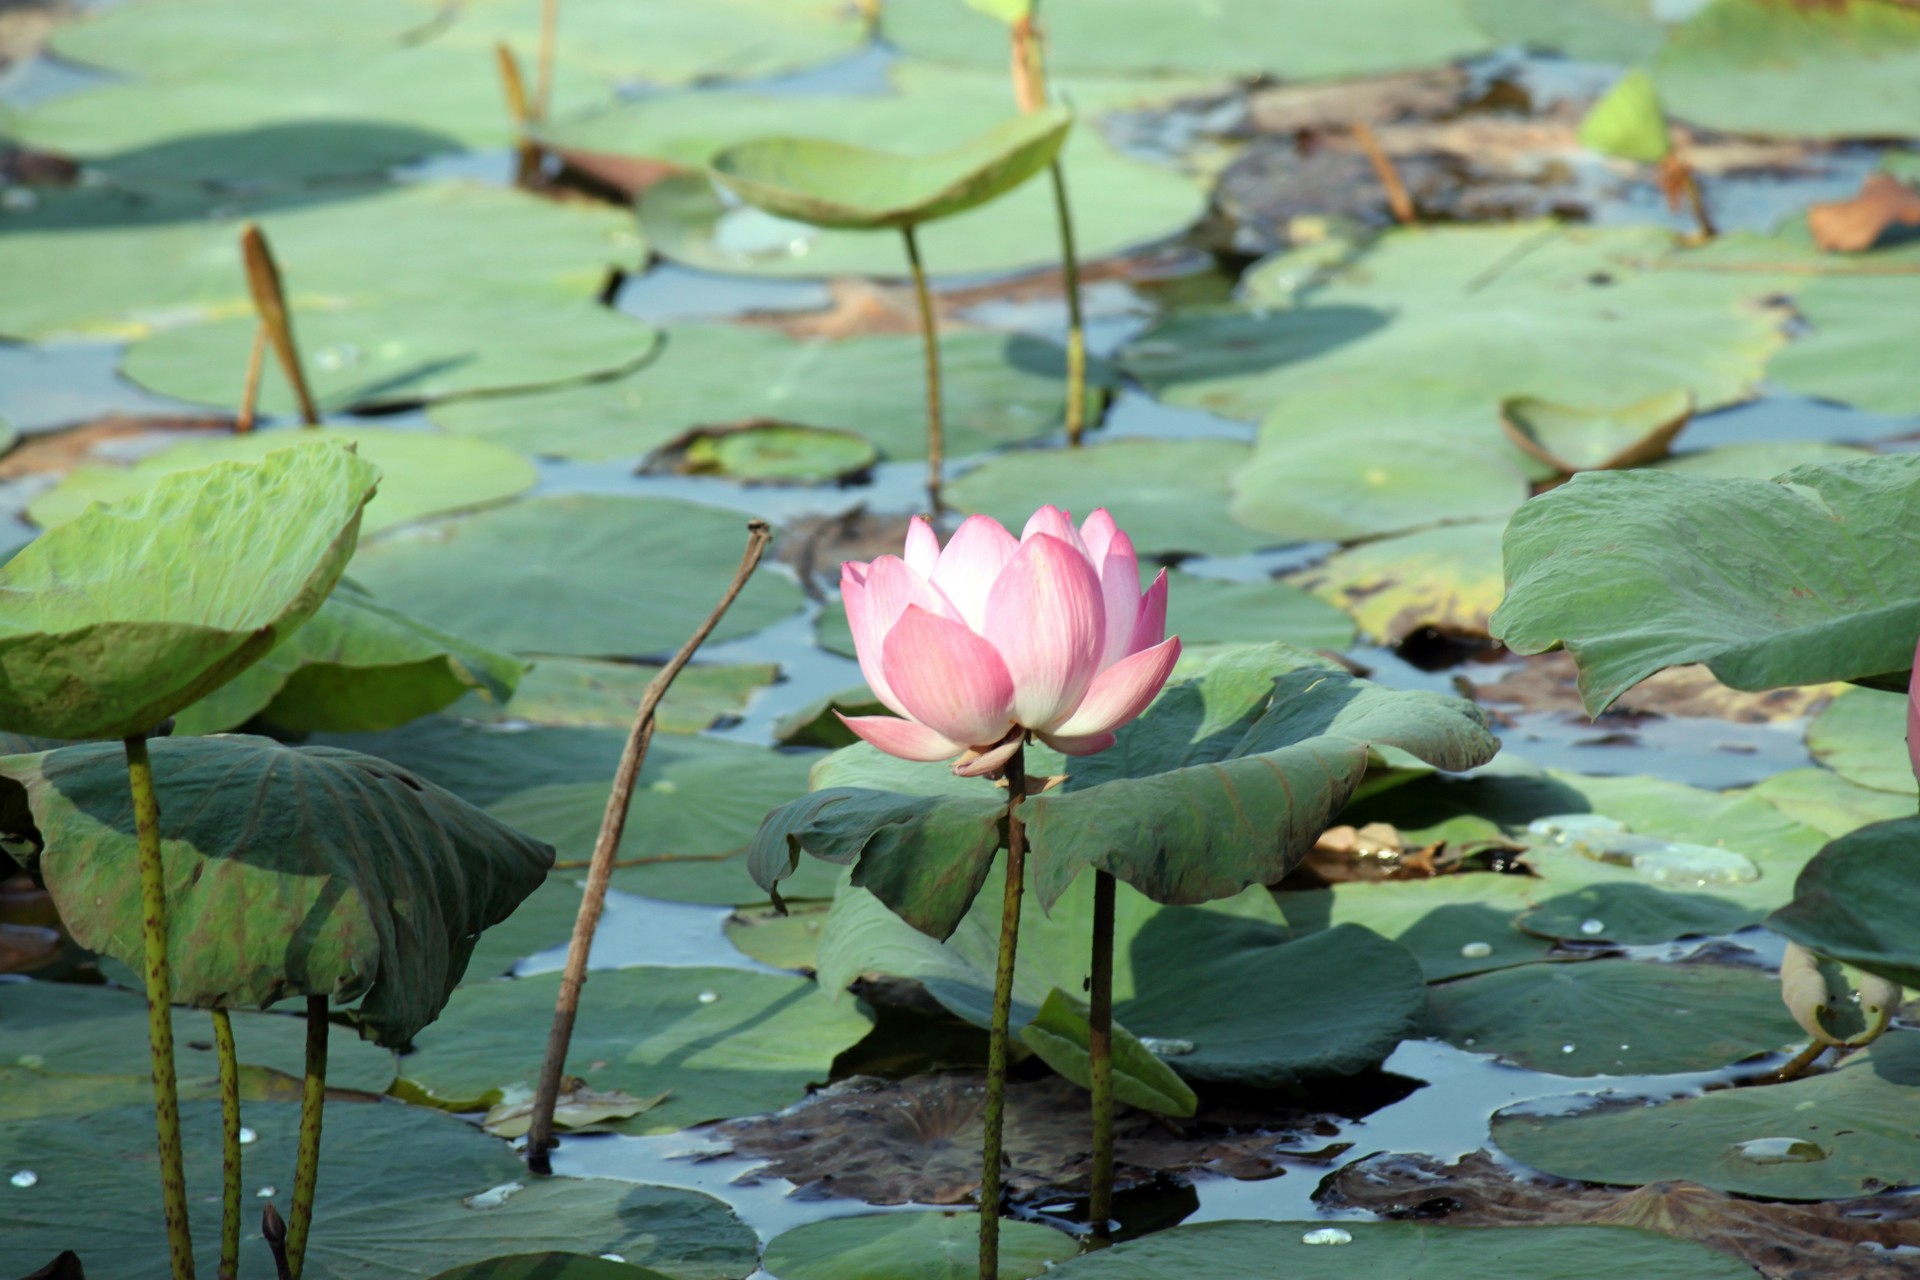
(493, 1197)
(1327, 1235)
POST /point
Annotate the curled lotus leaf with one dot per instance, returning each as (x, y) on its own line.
(1571, 439)
(1854, 902)
(1832, 1006)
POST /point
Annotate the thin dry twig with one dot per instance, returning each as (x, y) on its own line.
(1383, 168)
(270, 300)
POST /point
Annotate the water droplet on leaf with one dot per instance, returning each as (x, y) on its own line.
(265, 1193)
(492, 1197)
(1593, 928)
(24, 1178)
(709, 997)
(1166, 1047)
(1327, 1235)
(1477, 950)
(247, 1136)
(1566, 1048)
(332, 359)
(1779, 1151)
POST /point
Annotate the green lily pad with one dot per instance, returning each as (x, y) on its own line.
(1452, 320)
(1853, 903)
(1627, 122)
(827, 183)
(142, 607)
(1218, 611)
(543, 919)
(179, 36)
(1761, 460)
(549, 1266)
(1257, 751)
(355, 665)
(399, 352)
(401, 1184)
(1633, 915)
(1221, 988)
(789, 940)
(1614, 1017)
(1454, 925)
(755, 1046)
(588, 575)
(102, 1031)
(1769, 583)
(1571, 439)
(421, 474)
(584, 692)
(483, 763)
(1169, 495)
(1855, 332)
(1823, 800)
(1842, 1133)
(1744, 66)
(1060, 1035)
(153, 258)
(290, 871)
(1626, 31)
(996, 389)
(1447, 578)
(816, 724)
(1285, 39)
(770, 453)
(925, 1246)
(1862, 737)
(1405, 1251)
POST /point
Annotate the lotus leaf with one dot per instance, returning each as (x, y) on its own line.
(1828, 803)
(485, 763)
(1842, 1133)
(185, 36)
(755, 1045)
(1060, 1033)
(401, 1184)
(1454, 925)
(1220, 986)
(1791, 581)
(924, 1245)
(1593, 30)
(1447, 578)
(583, 692)
(1854, 902)
(1570, 439)
(1634, 915)
(137, 609)
(1860, 737)
(587, 575)
(289, 871)
(771, 453)
(1854, 352)
(550, 1266)
(1627, 122)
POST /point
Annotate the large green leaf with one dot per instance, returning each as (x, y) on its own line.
(1592, 30)
(1796, 580)
(402, 1192)
(135, 610)
(289, 871)
(1862, 737)
(719, 1042)
(355, 665)
(483, 763)
(421, 473)
(1855, 902)
(183, 36)
(924, 1246)
(1454, 925)
(996, 389)
(1061, 1035)
(1852, 352)
(1220, 987)
(826, 183)
(1827, 802)
(589, 575)
(585, 692)
(1845, 1132)
(1404, 1251)
(1446, 577)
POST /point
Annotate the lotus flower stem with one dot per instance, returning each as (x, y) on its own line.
(166, 1089)
(606, 848)
(270, 300)
(1383, 168)
(1801, 1061)
(936, 435)
(229, 1145)
(994, 1121)
(514, 88)
(1100, 1056)
(250, 389)
(1076, 323)
(306, 1169)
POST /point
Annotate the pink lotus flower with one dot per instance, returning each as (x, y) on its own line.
(993, 638)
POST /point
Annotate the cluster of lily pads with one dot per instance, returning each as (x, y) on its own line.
(327, 718)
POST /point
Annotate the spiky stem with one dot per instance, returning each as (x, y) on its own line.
(936, 433)
(1100, 1054)
(994, 1119)
(306, 1170)
(229, 1145)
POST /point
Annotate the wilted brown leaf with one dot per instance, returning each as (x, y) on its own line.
(58, 452)
(1848, 226)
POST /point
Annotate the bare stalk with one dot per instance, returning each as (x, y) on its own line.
(543, 69)
(514, 89)
(229, 1145)
(1383, 168)
(306, 1170)
(270, 300)
(250, 390)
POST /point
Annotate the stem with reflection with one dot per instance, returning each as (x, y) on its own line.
(306, 1171)
(936, 435)
(1076, 323)
(1100, 1054)
(229, 1145)
(166, 1088)
(994, 1120)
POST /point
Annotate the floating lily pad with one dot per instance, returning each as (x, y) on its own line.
(182, 36)
(290, 871)
(925, 1246)
(1862, 737)
(588, 575)
(399, 352)
(1853, 903)
(583, 692)
(1745, 66)
(1454, 925)
(1463, 317)
(1634, 915)
(1405, 1251)
(996, 389)
(156, 258)
(1285, 39)
(355, 665)
(417, 1190)
(184, 587)
(550, 1266)
(1571, 439)
(1223, 987)
(1761, 460)
(1823, 800)
(756, 1045)
(1842, 1133)
(484, 763)
(770, 453)
(1447, 578)
(817, 724)
(1626, 31)
(789, 940)
(1169, 495)
(827, 183)
(1855, 333)
(1627, 122)
(543, 919)
(421, 474)
(1614, 1017)
(1769, 583)
(102, 1031)
(1218, 611)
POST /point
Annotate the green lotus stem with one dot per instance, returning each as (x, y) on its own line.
(936, 446)
(1100, 1055)
(166, 1088)
(994, 1120)
(1076, 323)
(313, 1099)
(229, 1145)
